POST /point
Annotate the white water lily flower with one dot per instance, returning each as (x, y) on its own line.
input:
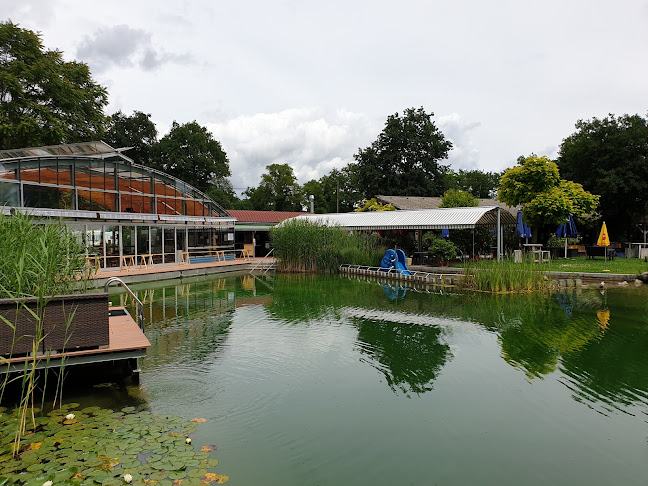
(128, 478)
(188, 441)
(47, 483)
(70, 416)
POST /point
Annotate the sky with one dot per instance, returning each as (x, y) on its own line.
(309, 83)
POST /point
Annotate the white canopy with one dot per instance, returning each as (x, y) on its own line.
(424, 219)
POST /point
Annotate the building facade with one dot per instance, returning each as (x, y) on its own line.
(123, 211)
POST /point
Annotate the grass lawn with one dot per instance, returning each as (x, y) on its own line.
(597, 265)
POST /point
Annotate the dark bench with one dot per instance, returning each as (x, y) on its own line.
(594, 251)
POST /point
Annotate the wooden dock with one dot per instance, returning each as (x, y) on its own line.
(126, 341)
(172, 271)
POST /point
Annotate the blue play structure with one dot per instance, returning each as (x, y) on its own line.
(395, 259)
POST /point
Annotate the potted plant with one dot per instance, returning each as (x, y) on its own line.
(441, 251)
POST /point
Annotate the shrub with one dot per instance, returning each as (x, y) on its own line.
(440, 248)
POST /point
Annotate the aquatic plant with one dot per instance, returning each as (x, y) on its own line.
(506, 276)
(310, 247)
(36, 260)
(102, 446)
(39, 259)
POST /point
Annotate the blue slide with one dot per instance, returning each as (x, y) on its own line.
(395, 259)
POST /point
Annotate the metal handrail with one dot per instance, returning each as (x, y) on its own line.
(140, 307)
(260, 262)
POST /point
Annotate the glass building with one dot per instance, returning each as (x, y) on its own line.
(122, 210)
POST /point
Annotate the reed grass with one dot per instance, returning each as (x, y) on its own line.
(312, 247)
(505, 276)
(36, 260)
(39, 259)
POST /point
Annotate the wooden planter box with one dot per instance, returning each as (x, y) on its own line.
(88, 328)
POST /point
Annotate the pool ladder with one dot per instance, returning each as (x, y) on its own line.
(139, 317)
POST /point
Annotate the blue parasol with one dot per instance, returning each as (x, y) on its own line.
(522, 228)
(567, 230)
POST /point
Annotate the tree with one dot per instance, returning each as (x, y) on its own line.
(373, 205)
(610, 157)
(478, 183)
(278, 190)
(333, 192)
(222, 192)
(404, 160)
(190, 153)
(546, 199)
(43, 99)
(313, 188)
(137, 131)
(456, 198)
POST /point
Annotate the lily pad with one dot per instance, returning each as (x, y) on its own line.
(99, 446)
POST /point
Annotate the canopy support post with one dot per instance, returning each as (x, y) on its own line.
(499, 236)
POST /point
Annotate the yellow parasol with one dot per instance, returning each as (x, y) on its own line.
(604, 240)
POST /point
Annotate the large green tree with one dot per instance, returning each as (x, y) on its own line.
(137, 131)
(405, 158)
(334, 192)
(45, 100)
(278, 190)
(609, 157)
(478, 183)
(546, 198)
(190, 153)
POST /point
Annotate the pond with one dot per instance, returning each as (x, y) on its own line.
(311, 380)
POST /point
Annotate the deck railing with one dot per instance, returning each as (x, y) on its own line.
(140, 307)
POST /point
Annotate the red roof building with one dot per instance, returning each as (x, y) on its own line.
(244, 216)
(252, 228)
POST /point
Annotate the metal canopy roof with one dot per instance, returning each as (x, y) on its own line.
(450, 218)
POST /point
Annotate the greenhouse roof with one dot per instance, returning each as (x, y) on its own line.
(425, 219)
(70, 149)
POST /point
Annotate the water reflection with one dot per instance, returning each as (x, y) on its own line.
(410, 356)
(536, 335)
(597, 340)
(187, 321)
(611, 372)
(394, 291)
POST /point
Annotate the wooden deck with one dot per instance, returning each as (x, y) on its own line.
(126, 340)
(172, 271)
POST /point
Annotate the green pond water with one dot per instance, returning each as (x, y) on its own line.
(331, 380)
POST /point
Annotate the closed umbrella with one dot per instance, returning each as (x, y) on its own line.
(522, 228)
(567, 230)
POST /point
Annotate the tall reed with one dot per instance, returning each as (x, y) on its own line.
(505, 276)
(308, 247)
(36, 260)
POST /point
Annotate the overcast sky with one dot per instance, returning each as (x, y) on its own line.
(308, 83)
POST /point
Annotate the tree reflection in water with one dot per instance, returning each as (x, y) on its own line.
(410, 356)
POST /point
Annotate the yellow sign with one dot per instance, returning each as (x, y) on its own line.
(604, 239)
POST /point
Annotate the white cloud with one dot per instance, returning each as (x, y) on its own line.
(310, 140)
(39, 12)
(123, 46)
(464, 153)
